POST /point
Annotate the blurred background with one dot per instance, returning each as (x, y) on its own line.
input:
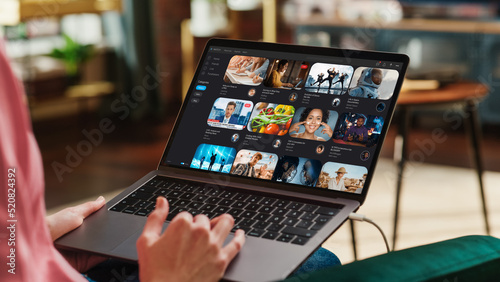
(105, 79)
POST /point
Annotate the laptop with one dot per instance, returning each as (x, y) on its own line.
(289, 165)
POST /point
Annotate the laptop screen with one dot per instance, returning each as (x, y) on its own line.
(314, 120)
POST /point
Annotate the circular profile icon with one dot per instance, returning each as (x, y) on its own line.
(336, 102)
(251, 92)
(380, 107)
(235, 137)
(293, 97)
(365, 155)
(320, 149)
(277, 143)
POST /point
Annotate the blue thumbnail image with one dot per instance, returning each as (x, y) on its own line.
(213, 158)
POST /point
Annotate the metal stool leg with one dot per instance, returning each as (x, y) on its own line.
(474, 131)
(403, 132)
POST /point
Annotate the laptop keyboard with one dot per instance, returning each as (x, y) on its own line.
(258, 215)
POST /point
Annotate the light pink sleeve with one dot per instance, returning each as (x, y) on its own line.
(26, 247)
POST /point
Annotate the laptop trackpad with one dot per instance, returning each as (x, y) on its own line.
(127, 248)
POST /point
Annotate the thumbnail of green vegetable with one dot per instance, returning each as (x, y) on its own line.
(273, 120)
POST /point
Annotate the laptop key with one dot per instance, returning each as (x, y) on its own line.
(200, 198)
(142, 204)
(304, 224)
(286, 238)
(129, 201)
(210, 215)
(241, 197)
(247, 221)
(309, 208)
(187, 195)
(262, 216)
(194, 212)
(256, 232)
(163, 192)
(153, 182)
(275, 227)
(281, 203)
(214, 192)
(290, 221)
(254, 199)
(165, 184)
(118, 207)
(209, 207)
(181, 203)
(178, 186)
(327, 211)
(267, 201)
(308, 216)
(294, 214)
(322, 219)
(235, 212)
(253, 207)
(212, 200)
(190, 188)
(248, 214)
(238, 204)
(271, 235)
(243, 227)
(300, 241)
(204, 190)
(295, 206)
(130, 210)
(298, 231)
(142, 212)
(221, 209)
(280, 211)
(261, 225)
(266, 209)
(317, 226)
(195, 205)
(175, 194)
(225, 202)
(227, 195)
(147, 189)
(276, 219)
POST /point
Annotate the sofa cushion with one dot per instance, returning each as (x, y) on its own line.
(470, 258)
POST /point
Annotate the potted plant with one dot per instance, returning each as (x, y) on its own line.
(73, 54)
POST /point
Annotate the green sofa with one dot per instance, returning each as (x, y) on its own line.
(470, 258)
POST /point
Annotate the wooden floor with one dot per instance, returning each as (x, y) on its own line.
(439, 201)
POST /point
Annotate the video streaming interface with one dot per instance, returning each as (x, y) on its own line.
(275, 117)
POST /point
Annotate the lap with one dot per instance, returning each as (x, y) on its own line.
(115, 270)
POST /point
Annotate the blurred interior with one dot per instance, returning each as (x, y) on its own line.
(79, 60)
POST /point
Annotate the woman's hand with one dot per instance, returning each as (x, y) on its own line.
(68, 219)
(190, 249)
(327, 129)
(296, 126)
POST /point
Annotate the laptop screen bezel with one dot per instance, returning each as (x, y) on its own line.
(288, 48)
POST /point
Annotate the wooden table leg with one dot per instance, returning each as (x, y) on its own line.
(474, 131)
(404, 121)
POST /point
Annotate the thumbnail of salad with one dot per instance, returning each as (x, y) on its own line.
(272, 119)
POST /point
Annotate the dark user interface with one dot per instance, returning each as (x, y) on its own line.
(275, 116)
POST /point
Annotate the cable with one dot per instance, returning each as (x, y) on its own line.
(360, 217)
